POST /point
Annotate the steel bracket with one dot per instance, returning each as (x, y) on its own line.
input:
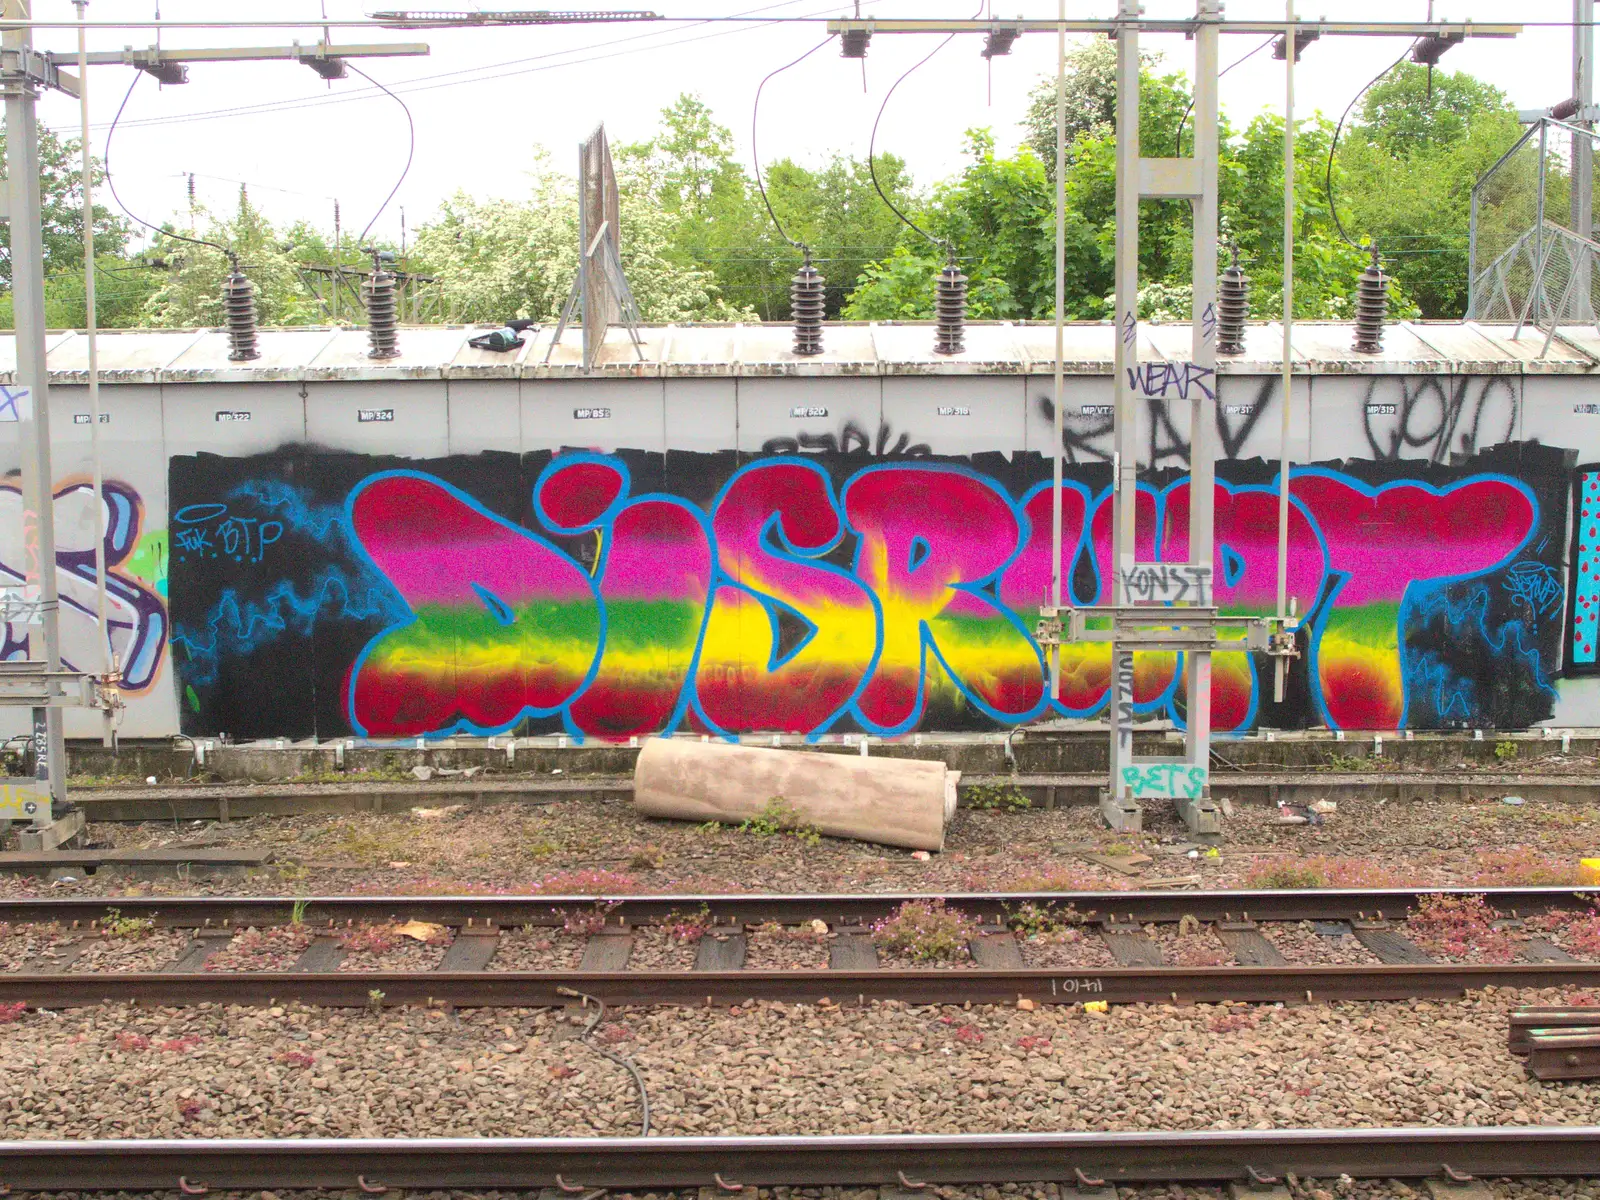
(26, 683)
(24, 67)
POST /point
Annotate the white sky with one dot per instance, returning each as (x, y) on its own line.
(550, 86)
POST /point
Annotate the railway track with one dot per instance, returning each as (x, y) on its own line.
(466, 975)
(901, 1163)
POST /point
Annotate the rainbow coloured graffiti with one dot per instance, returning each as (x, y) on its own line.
(900, 595)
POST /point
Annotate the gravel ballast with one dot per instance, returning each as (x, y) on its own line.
(119, 1071)
(588, 846)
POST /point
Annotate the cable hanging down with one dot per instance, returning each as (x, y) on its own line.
(806, 295)
(1372, 288)
(950, 288)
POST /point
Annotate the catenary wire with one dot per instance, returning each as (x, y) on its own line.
(411, 149)
(1184, 120)
(424, 83)
(1327, 181)
(755, 154)
(872, 142)
(111, 182)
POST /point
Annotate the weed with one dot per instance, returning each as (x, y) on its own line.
(293, 872)
(1286, 874)
(586, 881)
(296, 1058)
(926, 931)
(613, 1033)
(1033, 920)
(1505, 751)
(1032, 1042)
(648, 858)
(181, 1045)
(370, 939)
(1054, 877)
(586, 922)
(1458, 926)
(128, 1040)
(970, 1034)
(375, 1001)
(1523, 866)
(1319, 871)
(995, 796)
(119, 926)
(542, 848)
(297, 913)
(688, 927)
(189, 1109)
(561, 1071)
(1347, 762)
(779, 816)
(12, 1013)
(709, 828)
(1579, 930)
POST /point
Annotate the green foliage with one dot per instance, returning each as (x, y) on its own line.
(191, 294)
(61, 207)
(119, 926)
(1406, 171)
(995, 796)
(779, 816)
(926, 931)
(1505, 751)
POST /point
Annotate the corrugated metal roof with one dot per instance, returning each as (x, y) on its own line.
(441, 352)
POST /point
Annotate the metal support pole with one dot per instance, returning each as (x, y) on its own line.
(27, 296)
(1203, 404)
(1125, 435)
(1281, 666)
(91, 328)
(1060, 380)
(1582, 158)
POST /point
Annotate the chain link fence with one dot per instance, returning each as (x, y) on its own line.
(1534, 260)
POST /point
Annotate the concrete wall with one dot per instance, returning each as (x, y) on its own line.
(610, 557)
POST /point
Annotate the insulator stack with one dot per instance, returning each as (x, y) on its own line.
(806, 302)
(1372, 307)
(1233, 308)
(239, 310)
(383, 326)
(950, 310)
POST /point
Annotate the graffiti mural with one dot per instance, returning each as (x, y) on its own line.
(136, 617)
(877, 589)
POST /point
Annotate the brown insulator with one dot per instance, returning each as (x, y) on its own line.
(239, 310)
(1372, 308)
(806, 303)
(383, 326)
(950, 310)
(1233, 308)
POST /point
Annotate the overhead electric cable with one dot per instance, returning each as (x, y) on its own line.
(111, 183)
(755, 154)
(1184, 120)
(411, 149)
(1327, 182)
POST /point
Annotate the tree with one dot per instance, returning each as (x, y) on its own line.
(990, 216)
(1091, 95)
(1407, 170)
(61, 209)
(500, 259)
(192, 292)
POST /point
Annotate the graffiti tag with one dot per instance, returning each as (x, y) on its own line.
(1161, 381)
(1168, 583)
(209, 530)
(1166, 781)
(1535, 585)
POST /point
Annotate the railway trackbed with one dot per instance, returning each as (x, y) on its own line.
(1121, 947)
(727, 1165)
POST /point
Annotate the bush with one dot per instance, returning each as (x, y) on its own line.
(926, 931)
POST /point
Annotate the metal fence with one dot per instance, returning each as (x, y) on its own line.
(1533, 256)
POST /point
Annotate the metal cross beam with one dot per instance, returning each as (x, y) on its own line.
(1188, 27)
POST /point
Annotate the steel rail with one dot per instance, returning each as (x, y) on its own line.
(547, 989)
(1322, 904)
(717, 1162)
